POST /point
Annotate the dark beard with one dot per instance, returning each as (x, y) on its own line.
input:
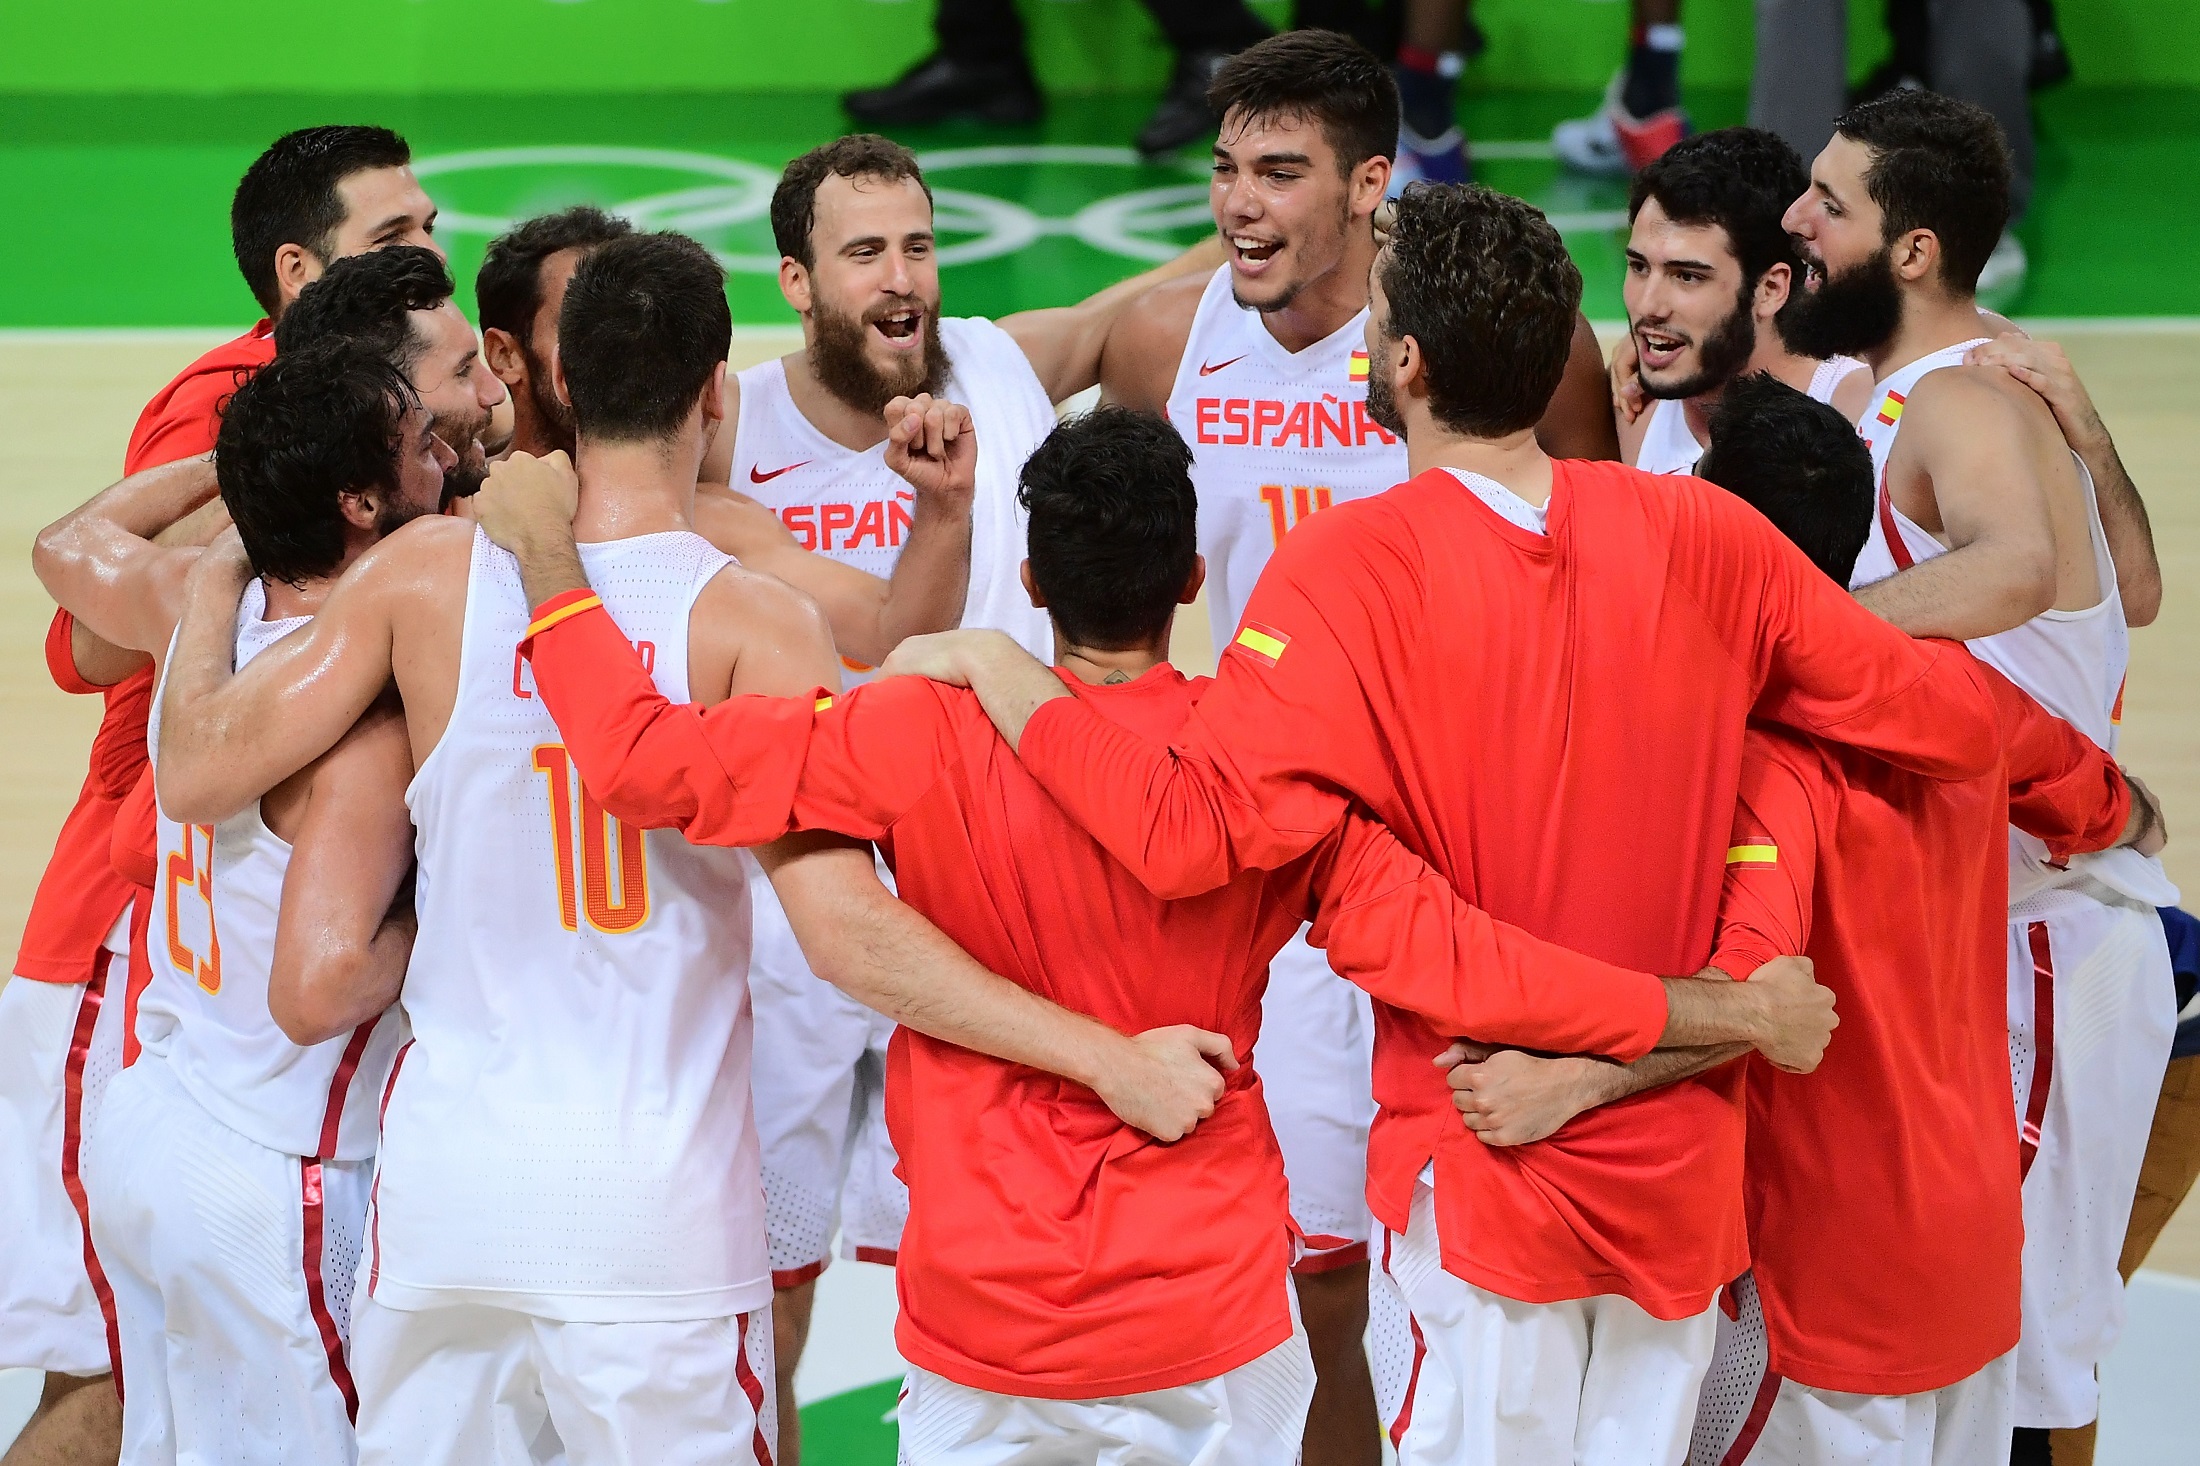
(466, 476)
(1848, 314)
(1381, 405)
(836, 356)
(394, 515)
(558, 426)
(1720, 357)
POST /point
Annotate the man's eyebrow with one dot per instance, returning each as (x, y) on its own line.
(1274, 158)
(1704, 265)
(868, 241)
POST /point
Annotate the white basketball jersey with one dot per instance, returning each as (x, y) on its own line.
(1668, 446)
(854, 508)
(2071, 662)
(1275, 436)
(569, 1133)
(217, 893)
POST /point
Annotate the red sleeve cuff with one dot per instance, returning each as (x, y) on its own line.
(1740, 954)
(560, 608)
(61, 656)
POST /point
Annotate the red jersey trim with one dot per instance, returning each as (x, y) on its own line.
(1891, 530)
(752, 1387)
(1760, 1411)
(1330, 1260)
(332, 1118)
(884, 1256)
(2043, 1047)
(560, 607)
(324, 1322)
(72, 1146)
(795, 1277)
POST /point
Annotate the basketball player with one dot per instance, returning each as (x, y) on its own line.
(1897, 1352)
(1709, 268)
(1537, 673)
(230, 1190)
(566, 1227)
(810, 499)
(313, 196)
(1989, 528)
(397, 302)
(1260, 365)
(1059, 1290)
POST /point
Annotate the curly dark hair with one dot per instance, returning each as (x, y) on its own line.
(1937, 164)
(1114, 525)
(1484, 284)
(1739, 178)
(508, 289)
(369, 299)
(645, 324)
(858, 155)
(288, 196)
(1320, 75)
(304, 429)
(1799, 463)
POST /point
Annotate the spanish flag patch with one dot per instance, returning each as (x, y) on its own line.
(1890, 410)
(1358, 370)
(1262, 643)
(822, 704)
(1752, 855)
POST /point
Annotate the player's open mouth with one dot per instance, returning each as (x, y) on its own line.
(901, 327)
(1252, 252)
(1659, 349)
(1814, 275)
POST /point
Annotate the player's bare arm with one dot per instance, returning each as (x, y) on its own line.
(1145, 343)
(2045, 368)
(346, 929)
(103, 563)
(932, 445)
(1510, 1097)
(1579, 423)
(227, 736)
(1065, 344)
(1971, 470)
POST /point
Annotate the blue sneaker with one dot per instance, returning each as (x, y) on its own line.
(1430, 160)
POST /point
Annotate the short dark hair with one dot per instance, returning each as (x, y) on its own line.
(307, 427)
(1484, 284)
(1799, 463)
(1323, 76)
(1739, 178)
(1937, 164)
(508, 289)
(369, 299)
(858, 155)
(288, 196)
(1114, 525)
(644, 325)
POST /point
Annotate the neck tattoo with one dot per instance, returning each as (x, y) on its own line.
(1118, 675)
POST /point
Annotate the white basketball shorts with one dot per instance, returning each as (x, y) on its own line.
(1316, 1058)
(1254, 1415)
(467, 1385)
(232, 1269)
(1465, 1377)
(1748, 1413)
(2092, 1007)
(60, 1043)
(819, 1075)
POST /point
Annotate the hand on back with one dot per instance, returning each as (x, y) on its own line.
(527, 500)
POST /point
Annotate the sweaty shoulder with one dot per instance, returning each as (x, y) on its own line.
(751, 632)
(1961, 398)
(1146, 344)
(426, 554)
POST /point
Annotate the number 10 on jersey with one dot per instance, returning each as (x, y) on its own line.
(1300, 500)
(587, 885)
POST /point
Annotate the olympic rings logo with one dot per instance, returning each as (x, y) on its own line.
(732, 195)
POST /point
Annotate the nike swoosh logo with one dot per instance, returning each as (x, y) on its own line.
(758, 476)
(1210, 368)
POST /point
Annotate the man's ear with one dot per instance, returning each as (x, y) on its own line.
(1916, 254)
(1193, 582)
(557, 377)
(1031, 587)
(1772, 291)
(794, 284)
(360, 507)
(500, 348)
(1412, 367)
(1370, 181)
(714, 397)
(296, 267)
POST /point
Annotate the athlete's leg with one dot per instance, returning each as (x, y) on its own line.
(2091, 1012)
(1317, 1045)
(78, 1422)
(1342, 1428)
(1799, 82)
(790, 1334)
(696, 1393)
(456, 1386)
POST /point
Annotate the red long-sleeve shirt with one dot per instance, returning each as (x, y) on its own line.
(110, 827)
(1554, 722)
(1051, 1251)
(1885, 1220)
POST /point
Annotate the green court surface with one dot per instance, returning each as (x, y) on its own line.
(120, 204)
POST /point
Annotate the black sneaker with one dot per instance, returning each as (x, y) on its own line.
(941, 87)
(1182, 116)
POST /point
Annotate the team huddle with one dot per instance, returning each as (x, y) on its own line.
(1644, 928)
